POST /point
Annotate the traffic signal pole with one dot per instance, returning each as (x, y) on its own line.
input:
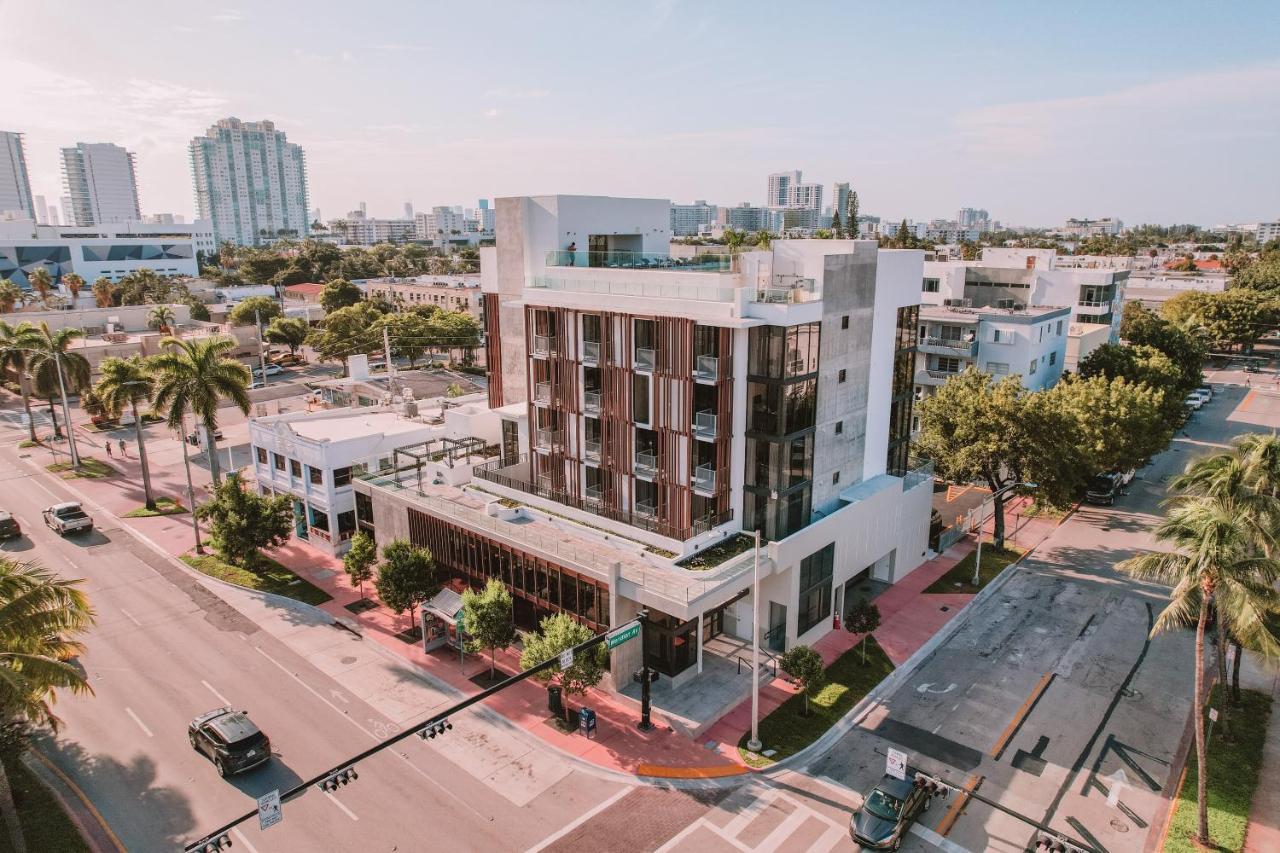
(210, 840)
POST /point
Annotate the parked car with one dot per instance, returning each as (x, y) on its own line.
(886, 813)
(256, 384)
(193, 437)
(67, 517)
(270, 370)
(1205, 391)
(9, 527)
(286, 358)
(1104, 488)
(1193, 401)
(230, 740)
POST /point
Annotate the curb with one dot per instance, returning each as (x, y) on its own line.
(41, 767)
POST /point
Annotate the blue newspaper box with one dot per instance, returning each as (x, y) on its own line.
(587, 721)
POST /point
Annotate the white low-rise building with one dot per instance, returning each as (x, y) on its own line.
(111, 250)
(446, 292)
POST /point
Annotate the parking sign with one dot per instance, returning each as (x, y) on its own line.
(895, 764)
(269, 813)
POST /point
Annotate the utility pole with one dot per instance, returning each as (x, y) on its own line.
(391, 368)
(754, 744)
(191, 490)
(66, 412)
(262, 353)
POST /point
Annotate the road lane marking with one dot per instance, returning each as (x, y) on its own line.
(1021, 715)
(137, 720)
(132, 618)
(240, 837)
(579, 821)
(349, 813)
(926, 834)
(958, 804)
(223, 699)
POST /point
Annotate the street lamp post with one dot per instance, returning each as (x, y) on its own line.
(977, 559)
(754, 744)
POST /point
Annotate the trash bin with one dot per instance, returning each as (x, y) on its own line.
(555, 701)
(587, 721)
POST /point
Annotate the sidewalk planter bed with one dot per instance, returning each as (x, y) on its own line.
(45, 826)
(1234, 767)
(787, 730)
(994, 561)
(711, 557)
(89, 468)
(270, 576)
(164, 506)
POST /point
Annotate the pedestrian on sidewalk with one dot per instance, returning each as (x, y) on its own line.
(123, 454)
(109, 453)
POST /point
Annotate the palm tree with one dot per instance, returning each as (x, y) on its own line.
(16, 345)
(74, 283)
(196, 375)
(1215, 559)
(50, 349)
(10, 296)
(102, 292)
(126, 381)
(161, 317)
(41, 283)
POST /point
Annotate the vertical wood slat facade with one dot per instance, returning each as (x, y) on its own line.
(492, 349)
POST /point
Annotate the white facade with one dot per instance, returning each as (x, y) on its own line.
(688, 219)
(101, 251)
(1266, 232)
(446, 292)
(250, 182)
(101, 180)
(362, 231)
(1108, 225)
(1082, 339)
(780, 184)
(15, 185)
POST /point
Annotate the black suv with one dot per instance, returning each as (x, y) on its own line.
(886, 813)
(230, 740)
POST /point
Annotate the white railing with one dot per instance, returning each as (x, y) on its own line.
(704, 478)
(704, 424)
(785, 291)
(591, 352)
(591, 401)
(664, 290)
(707, 367)
(645, 359)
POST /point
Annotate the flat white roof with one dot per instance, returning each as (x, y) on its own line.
(347, 426)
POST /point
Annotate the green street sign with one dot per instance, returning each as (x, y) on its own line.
(621, 635)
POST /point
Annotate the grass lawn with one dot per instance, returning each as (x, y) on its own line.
(45, 826)
(994, 561)
(270, 577)
(164, 506)
(89, 467)
(26, 442)
(787, 730)
(1234, 766)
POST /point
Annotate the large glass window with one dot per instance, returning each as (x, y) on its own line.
(815, 588)
(640, 398)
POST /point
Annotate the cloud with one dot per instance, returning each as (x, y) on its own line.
(492, 112)
(519, 94)
(227, 16)
(400, 48)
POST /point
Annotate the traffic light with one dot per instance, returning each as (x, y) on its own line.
(435, 729)
(932, 785)
(213, 845)
(1051, 843)
(334, 781)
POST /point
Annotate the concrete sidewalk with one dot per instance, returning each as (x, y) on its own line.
(1263, 834)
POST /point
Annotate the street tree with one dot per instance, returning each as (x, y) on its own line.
(1232, 318)
(805, 666)
(339, 293)
(41, 284)
(51, 351)
(198, 375)
(290, 331)
(1142, 327)
(407, 576)
(248, 311)
(409, 334)
(242, 522)
(259, 266)
(558, 633)
(487, 617)
(1118, 426)
(17, 343)
(864, 618)
(128, 382)
(347, 331)
(1262, 274)
(359, 560)
(851, 215)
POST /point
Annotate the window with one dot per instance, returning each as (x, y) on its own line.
(946, 364)
(317, 476)
(295, 468)
(835, 478)
(279, 461)
(844, 321)
(1053, 358)
(1032, 371)
(931, 285)
(1059, 328)
(341, 477)
(262, 455)
(1042, 333)
(640, 398)
(839, 427)
(842, 374)
(998, 368)
(815, 588)
(997, 336)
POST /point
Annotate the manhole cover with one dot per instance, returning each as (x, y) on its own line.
(348, 659)
(1118, 825)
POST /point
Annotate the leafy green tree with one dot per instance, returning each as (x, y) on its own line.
(997, 434)
(407, 576)
(453, 330)
(1117, 425)
(160, 317)
(837, 227)
(864, 617)
(290, 331)
(259, 266)
(851, 214)
(905, 238)
(1261, 275)
(409, 333)
(359, 559)
(805, 665)
(487, 619)
(1142, 327)
(242, 522)
(763, 239)
(339, 293)
(734, 238)
(146, 287)
(1236, 317)
(558, 633)
(128, 382)
(51, 349)
(198, 375)
(244, 313)
(347, 331)
(197, 308)
(1214, 559)
(17, 344)
(10, 296)
(1139, 365)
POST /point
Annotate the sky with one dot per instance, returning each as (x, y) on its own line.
(1161, 112)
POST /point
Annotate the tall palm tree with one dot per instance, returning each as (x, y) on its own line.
(50, 349)
(10, 296)
(41, 283)
(196, 375)
(16, 345)
(126, 381)
(161, 317)
(102, 289)
(74, 283)
(1215, 557)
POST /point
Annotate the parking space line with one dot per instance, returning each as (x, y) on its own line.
(137, 720)
(131, 617)
(240, 837)
(223, 699)
(926, 834)
(348, 812)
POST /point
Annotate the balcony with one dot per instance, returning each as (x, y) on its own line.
(595, 494)
(646, 464)
(788, 290)
(706, 368)
(542, 393)
(704, 479)
(704, 425)
(646, 509)
(645, 359)
(949, 346)
(591, 402)
(705, 262)
(591, 451)
(544, 346)
(591, 352)
(934, 377)
(545, 439)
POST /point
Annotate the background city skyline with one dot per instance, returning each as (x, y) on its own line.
(1144, 111)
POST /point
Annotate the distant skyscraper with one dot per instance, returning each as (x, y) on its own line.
(250, 182)
(42, 211)
(487, 216)
(408, 210)
(780, 184)
(65, 203)
(15, 186)
(969, 217)
(101, 181)
(53, 215)
(840, 202)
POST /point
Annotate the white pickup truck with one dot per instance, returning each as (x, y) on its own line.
(67, 517)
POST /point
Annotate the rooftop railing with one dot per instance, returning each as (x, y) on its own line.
(646, 463)
(705, 262)
(655, 288)
(789, 290)
(704, 478)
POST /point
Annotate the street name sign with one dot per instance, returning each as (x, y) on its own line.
(566, 658)
(621, 635)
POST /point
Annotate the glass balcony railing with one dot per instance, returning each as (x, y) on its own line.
(646, 509)
(544, 345)
(645, 359)
(592, 450)
(591, 352)
(704, 478)
(646, 463)
(704, 424)
(545, 439)
(591, 402)
(595, 493)
(786, 290)
(542, 393)
(705, 262)
(706, 368)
